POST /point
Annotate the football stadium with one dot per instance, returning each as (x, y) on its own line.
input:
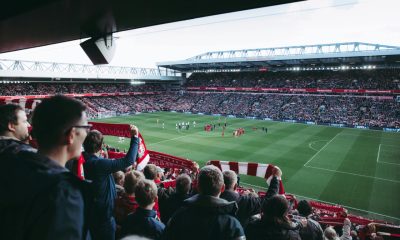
(299, 141)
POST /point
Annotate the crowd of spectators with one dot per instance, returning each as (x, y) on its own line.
(339, 109)
(351, 79)
(19, 89)
(57, 204)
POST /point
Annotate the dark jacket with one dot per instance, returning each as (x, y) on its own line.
(99, 171)
(13, 145)
(260, 230)
(249, 205)
(313, 231)
(39, 199)
(205, 217)
(143, 223)
(172, 204)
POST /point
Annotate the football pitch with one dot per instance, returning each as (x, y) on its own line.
(359, 169)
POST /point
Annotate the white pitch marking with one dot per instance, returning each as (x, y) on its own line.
(320, 150)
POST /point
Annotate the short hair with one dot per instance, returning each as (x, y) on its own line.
(132, 179)
(118, 177)
(330, 234)
(146, 192)
(150, 171)
(183, 184)
(304, 208)
(93, 141)
(230, 178)
(210, 180)
(8, 114)
(53, 117)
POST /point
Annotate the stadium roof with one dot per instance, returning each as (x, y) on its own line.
(28, 24)
(352, 53)
(51, 70)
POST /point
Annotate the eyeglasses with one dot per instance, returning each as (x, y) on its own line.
(86, 127)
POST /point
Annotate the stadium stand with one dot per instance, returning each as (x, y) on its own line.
(382, 79)
(369, 111)
(21, 89)
(349, 109)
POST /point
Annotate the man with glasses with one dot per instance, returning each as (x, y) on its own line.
(99, 170)
(40, 198)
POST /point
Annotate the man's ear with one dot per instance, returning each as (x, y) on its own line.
(69, 137)
(223, 187)
(11, 127)
(234, 187)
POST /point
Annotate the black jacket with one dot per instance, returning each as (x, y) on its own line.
(39, 199)
(99, 171)
(205, 217)
(143, 222)
(171, 205)
(249, 205)
(313, 231)
(260, 230)
(13, 145)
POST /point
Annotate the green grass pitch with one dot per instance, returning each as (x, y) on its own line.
(359, 169)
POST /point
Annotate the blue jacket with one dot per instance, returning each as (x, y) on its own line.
(143, 222)
(99, 171)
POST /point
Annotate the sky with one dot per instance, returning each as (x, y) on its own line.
(303, 23)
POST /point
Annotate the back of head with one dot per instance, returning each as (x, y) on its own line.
(146, 193)
(330, 234)
(53, 117)
(119, 177)
(150, 171)
(275, 210)
(8, 114)
(93, 142)
(230, 179)
(210, 181)
(132, 180)
(183, 184)
(304, 208)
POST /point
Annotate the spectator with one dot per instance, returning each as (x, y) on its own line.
(150, 172)
(330, 233)
(14, 134)
(99, 170)
(43, 199)
(160, 175)
(175, 201)
(119, 179)
(274, 223)
(248, 204)
(126, 203)
(313, 231)
(143, 222)
(205, 215)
